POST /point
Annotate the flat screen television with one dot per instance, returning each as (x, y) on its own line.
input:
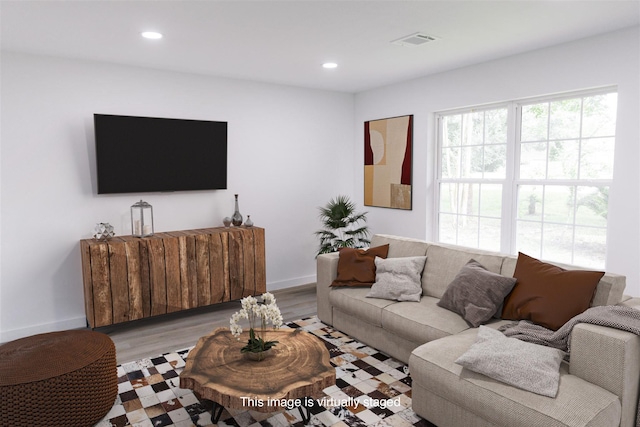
(149, 154)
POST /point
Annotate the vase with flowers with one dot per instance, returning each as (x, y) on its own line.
(259, 314)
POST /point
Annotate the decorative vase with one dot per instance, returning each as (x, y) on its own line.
(236, 218)
(248, 222)
(258, 356)
(226, 221)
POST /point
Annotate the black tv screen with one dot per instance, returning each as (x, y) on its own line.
(148, 154)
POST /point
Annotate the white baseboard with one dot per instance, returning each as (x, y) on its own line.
(272, 286)
(14, 334)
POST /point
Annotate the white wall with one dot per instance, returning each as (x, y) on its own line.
(604, 60)
(285, 146)
(290, 150)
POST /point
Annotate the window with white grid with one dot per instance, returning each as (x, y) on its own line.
(473, 162)
(530, 176)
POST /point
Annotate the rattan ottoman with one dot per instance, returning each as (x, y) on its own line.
(65, 379)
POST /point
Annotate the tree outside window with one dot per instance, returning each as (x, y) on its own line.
(543, 191)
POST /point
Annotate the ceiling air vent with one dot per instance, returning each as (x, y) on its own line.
(416, 39)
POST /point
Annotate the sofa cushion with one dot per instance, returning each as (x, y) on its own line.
(578, 402)
(476, 293)
(610, 289)
(422, 321)
(547, 294)
(398, 278)
(356, 267)
(400, 246)
(521, 364)
(444, 262)
(353, 300)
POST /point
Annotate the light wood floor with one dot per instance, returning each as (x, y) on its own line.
(154, 336)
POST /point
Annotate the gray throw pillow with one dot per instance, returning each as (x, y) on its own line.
(398, 278)
(525, 365)
(476, 293)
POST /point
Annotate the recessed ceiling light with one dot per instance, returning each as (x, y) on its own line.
(151, 35)
(329, 65)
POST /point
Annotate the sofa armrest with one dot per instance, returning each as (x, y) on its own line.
(609, 358)
(327, 271)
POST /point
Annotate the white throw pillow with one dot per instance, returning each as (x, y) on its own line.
(528, 366)
(398, 278)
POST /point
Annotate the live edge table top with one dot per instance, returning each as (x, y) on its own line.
(297, 367)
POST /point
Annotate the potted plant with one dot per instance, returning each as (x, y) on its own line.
(342, 226)
(258, 313)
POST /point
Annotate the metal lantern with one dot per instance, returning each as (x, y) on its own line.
(142, 219)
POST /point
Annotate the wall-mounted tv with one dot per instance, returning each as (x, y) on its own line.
(149, 154)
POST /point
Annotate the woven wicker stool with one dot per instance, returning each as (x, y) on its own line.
(65, 379)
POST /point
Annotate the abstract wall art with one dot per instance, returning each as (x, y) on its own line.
(387, 162)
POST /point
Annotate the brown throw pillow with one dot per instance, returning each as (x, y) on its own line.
(356, 267)
(547, 294)
(476, 293)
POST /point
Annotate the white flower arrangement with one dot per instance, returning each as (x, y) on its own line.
(260, 313)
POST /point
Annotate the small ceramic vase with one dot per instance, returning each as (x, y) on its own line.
(258, 356)
(236, 219)
(248, 222)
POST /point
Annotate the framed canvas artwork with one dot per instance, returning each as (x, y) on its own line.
(387, 162)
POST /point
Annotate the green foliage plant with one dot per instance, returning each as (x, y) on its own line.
(342, 226)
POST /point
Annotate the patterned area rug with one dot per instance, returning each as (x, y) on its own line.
(372, 389)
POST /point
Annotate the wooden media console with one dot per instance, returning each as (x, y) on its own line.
(127, 278)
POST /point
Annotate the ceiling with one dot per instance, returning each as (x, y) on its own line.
(286, 42)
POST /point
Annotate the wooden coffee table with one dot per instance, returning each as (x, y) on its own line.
(295, 373)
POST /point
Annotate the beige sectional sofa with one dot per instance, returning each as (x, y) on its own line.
(598, 388)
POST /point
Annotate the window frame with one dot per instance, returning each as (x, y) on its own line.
(512, 181)
(479, 181)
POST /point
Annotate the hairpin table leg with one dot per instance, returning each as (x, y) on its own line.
(305, 409)
(216, 412)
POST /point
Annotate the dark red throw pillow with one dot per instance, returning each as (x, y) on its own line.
(356, 267)
(547, 294)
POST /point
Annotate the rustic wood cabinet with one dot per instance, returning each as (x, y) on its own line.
(128, 278)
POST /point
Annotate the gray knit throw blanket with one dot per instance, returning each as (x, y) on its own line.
(613, 316)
